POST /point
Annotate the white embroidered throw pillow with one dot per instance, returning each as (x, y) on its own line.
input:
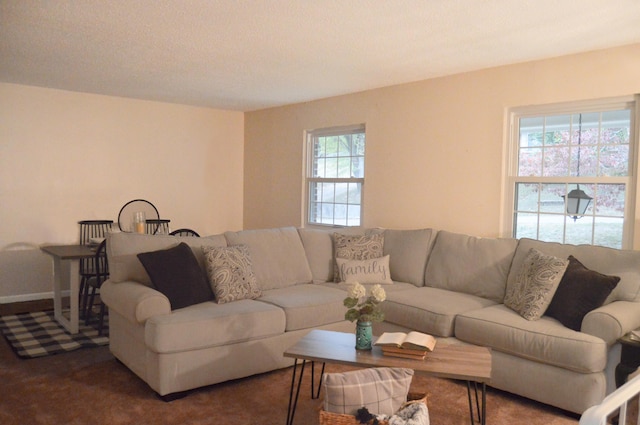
(536, 284)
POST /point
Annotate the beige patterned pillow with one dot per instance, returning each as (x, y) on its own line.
(230, 273)
(381, 390)
(356, 247)
(536, 283)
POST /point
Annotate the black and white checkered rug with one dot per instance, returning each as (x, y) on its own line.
(38, 334)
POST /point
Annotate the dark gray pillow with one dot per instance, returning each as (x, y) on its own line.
(176, 273)
(580, 291)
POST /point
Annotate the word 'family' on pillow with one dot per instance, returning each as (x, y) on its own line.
(356, 247)
(230, 273)
(381, 390)
(535, 285)
(176, 273)
(580, 291)
(375, 270)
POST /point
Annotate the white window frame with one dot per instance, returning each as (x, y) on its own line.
(512, 150)
(310, 136)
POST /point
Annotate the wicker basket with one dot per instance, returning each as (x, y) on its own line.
(328, 418)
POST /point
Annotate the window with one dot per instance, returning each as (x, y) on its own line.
(557, 149)
(335, 176)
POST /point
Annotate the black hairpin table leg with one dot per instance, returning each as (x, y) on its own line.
(480, 406)
(293, 402)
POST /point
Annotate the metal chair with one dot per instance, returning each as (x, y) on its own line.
(92, 232)
(94, 283)
(185, 232)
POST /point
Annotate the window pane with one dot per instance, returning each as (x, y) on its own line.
(527, 197)
(609, 200)
(614, 161)
(526, 225)
(608, 232)
(530, 162)
(551, 227)
(355, 193)
(579, 231)
(556, 161)
(551, 198)
(354, 215)
(531, 132)
(557, 130)
(340, 214)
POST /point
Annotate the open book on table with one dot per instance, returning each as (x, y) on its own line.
(408, 341)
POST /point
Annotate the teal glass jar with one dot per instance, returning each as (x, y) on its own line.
(363, 335)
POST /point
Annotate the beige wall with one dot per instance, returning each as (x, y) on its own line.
(68, 156)
(434, 154)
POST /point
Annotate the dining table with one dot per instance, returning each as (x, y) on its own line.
(66, 274)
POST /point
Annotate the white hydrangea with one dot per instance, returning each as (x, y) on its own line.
(357, 291)
(377, 292)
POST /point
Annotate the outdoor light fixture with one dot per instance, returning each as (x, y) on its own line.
(577, 201)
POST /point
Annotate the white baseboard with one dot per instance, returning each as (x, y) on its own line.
(29, 297)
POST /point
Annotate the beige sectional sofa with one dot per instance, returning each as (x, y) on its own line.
(445, 284)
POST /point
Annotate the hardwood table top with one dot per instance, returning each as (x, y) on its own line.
(462, 362)
(69, 252)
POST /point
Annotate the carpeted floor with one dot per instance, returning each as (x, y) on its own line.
(89, 386)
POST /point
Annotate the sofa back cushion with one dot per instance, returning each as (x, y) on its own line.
(318, 247)
(123, 247)
(471, 265)
(278, 256)
(408, 252)
(609, 261)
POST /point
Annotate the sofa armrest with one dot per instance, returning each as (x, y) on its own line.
(612, 321)
(134, 301)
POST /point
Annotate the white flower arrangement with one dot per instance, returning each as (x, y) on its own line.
(363, 307)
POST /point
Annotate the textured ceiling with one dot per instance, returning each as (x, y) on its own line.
(253, 54)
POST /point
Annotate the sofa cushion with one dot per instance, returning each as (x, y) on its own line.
(408, 252)
(307, 306)
(210, 325)
(545, 340)
(476, 266)
(531, 293)
(318, 246)
(175, 272)
(429, 310)
(381, 390)
(580, 291)
(278, 256)
(375, 270)
(123, 247)
(230, 272)
(352, 247)
(623, 263)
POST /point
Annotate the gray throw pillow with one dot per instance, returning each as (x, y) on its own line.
(230, 273)
(381, 390)
(536, 283)
(356, 247)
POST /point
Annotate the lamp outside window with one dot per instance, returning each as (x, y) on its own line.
(577, 201)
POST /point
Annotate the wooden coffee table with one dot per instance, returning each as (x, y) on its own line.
(468, 363)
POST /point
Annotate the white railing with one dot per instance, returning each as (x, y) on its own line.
(615, 403)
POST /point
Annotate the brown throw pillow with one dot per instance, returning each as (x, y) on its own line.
(580, 291)
(176, 273)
